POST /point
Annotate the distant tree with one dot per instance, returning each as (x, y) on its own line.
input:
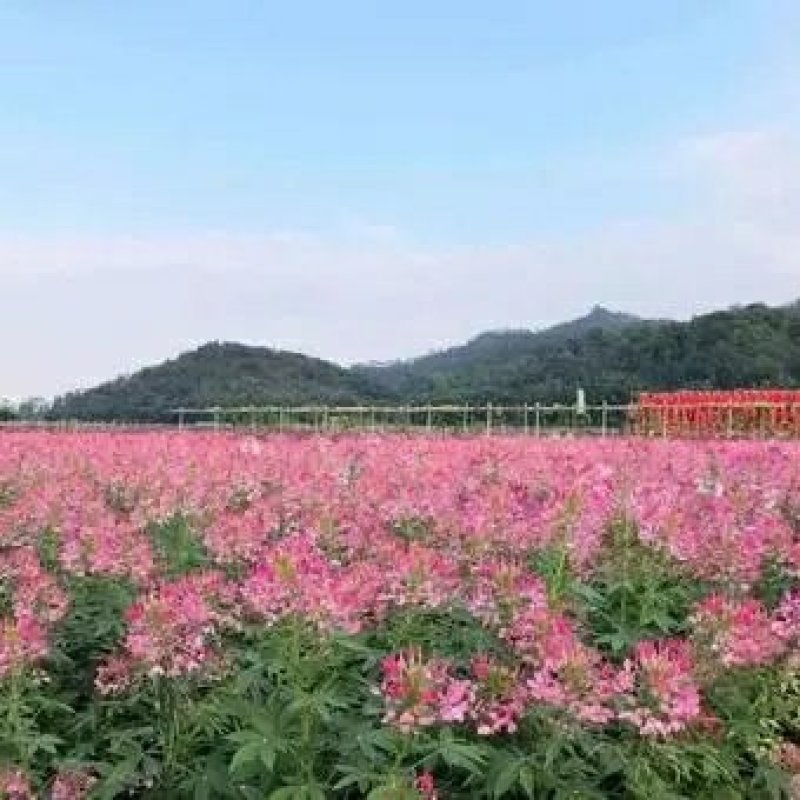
(7, 411)
(612, 356)
(33, 408)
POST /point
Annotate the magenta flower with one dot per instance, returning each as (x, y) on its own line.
(662, 696)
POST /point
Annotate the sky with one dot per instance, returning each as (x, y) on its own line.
(371, 180)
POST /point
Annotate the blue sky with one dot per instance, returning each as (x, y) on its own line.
(296, 173)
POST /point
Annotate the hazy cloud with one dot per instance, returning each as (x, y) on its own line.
(79, 309)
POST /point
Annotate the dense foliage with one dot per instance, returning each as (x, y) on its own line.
(218, 374)
(612, 359)
(201, 616)
(610, 355)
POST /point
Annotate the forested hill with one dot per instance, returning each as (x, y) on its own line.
(611, 358)
(484, 358)
(224, 374)
(610, 355)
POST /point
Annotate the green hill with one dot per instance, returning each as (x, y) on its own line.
(479, 369)
(223, 374)
(610, 355)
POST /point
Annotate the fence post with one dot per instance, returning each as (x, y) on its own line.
(525, 418)
(604, 422)
(488, 419)
(280, 419)
(429, 419)
(538, 420)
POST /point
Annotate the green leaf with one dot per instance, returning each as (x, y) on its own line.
(506, 778)
(468, 757)
(254, 751)
(353, 779)
(298, 792)
(527, 780)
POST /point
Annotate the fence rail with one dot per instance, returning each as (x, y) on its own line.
(530, 418)
(697, 420)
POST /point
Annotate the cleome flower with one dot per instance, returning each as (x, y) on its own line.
(660, 695)
(171, 631)
(35, 591)
(14, 785)
(419, 693)
(23, 642)
(500, 697)
(426, 786)
(72, 784)
(580, 682)
(736, 633)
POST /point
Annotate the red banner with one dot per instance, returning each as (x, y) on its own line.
(717, 413)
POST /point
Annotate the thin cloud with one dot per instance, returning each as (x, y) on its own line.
(85, 308)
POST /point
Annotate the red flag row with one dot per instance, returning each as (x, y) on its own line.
(767, 412)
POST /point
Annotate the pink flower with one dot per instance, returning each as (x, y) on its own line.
(581, 683)
(499, 589)
(455, 700)
(171, 630)
(418, 692)
(500, 698)
(426, 786)
(737, 633)
(72, 785)
(786, 618)
(23, 642)
(663, 697)
(541, 637)
(114, 675)
(14, 785)
(35, 591)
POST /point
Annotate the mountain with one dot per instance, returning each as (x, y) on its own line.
(599, 318)
(611, 355)
(478, 368)
(224, 374)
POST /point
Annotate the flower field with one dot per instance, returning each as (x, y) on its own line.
(218, 616)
